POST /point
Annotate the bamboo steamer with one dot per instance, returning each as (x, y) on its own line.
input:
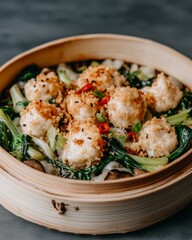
(114, 206)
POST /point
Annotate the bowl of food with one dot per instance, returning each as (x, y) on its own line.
(95, 134)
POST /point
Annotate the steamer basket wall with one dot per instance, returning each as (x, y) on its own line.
(87, 207)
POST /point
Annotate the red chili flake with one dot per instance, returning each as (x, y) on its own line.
(87, 87)
(104, 128)
(104, 101)
(132, 136)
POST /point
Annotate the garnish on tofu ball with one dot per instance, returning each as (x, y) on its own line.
(101, 77)
(84, 145)
(163, 95)
(37, 117)
(158, 138)
(44, 87)
(126, 106)
(82, 106)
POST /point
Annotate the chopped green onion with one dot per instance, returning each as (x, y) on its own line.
(81, 69)
(137, 127)
(51, 101)
(98, 93)
(95, 63)
(100, 117)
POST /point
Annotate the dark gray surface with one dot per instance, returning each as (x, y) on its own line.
(28, 23)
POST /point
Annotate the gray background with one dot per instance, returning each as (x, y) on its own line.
(28, 23)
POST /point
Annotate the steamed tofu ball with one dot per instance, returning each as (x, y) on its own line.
(163, 95)
(37, 117)
(158, 138)
(82, 106)
(126, 106)
(45, 87)
(84, 145)
(101, 77)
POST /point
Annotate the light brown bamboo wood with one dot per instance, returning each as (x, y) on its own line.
(87, 207)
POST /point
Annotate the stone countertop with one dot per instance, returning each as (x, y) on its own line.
(25, 24)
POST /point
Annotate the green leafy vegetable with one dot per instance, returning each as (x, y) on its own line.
(10, 112)
(5, 102)
(180, 117)
(29, 72)
(35, 154)
(87, 173)
(187, 122)
(44, 147)
(171, 112)
(133, 78)
(19, 101)
(122, 139)
(184, 135)
(186, 101)
(80, 69)
(63, 169)
(17, 143)
(66, 74)
(56, 140)
(119, 134)
(134, 81)
(5, 136)
(151, 164)
(118, 153)
(84, 174)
